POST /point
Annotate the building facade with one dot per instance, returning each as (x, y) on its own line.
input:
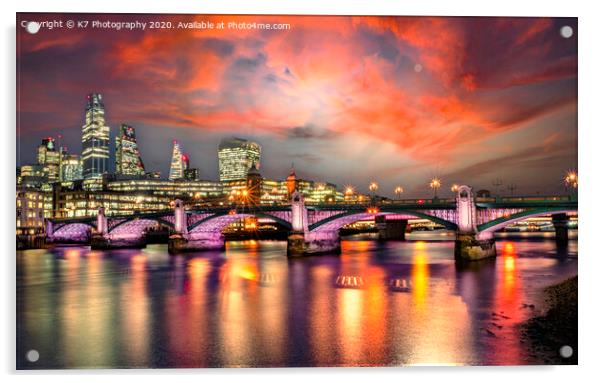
(71, 168)
(235, 157)
(95, 138)
(81, 203)
(30, 211)
(127, 153)
(176, 170)
(174, 189)
(49, 156)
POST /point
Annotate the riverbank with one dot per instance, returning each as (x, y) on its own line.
(545, 335)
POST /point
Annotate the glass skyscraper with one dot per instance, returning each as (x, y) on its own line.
(176, 170)
(235, 157)
(50, 158)
(95, 138)
(127, 154)
(71, 168)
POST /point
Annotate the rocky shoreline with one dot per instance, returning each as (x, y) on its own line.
(545, 335)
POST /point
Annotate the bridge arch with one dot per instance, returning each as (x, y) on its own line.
(156, 220)
(134, 228)
(74, 231)
(218, 222)
(337, 221)
(501, 222)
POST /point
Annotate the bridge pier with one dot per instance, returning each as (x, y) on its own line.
(393, 229)
(312, 243)
(105, 242)
(179, 243)
(473, 247)
(470, 244)
(561, 227)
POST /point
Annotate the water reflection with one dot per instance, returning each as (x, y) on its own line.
(252, 306)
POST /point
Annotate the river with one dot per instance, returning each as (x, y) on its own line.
(395, 303)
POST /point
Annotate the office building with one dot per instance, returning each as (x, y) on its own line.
(49, 157)
(191, 174)
(71, 168)
(82, 203)
(127, 154)
(30, 211)
(236, 156)
(182, 189)
(176, 170)
(95, 138)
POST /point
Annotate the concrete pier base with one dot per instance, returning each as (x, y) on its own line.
(309, 243)
(393, 229)
(561, 227)
(100, 242)
(179, 243)
(471, 248)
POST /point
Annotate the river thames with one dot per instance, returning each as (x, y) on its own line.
(375, 304)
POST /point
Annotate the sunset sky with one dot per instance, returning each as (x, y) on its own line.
(397, 100)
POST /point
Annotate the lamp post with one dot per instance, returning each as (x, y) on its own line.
(435, 185)
(571, 179)
(373, 187)
(454, 188)
(348, 193)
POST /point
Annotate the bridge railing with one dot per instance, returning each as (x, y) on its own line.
(557, 198)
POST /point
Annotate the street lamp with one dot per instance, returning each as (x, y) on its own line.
(398, 191)
(373, 187)
(571, 179)
(435, 185)
(455, 188)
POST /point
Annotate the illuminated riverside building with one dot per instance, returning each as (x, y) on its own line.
(127, 154)
(80, 203)
(95, 138)
(30, 211)
(50, 158)
(176, 170)
(235, 158)
(182, 188)
(276, 192)
(71, 168)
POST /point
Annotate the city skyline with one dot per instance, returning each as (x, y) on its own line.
(461, 116)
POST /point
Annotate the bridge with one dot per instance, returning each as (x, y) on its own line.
(314, 229)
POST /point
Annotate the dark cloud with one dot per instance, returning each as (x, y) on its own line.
(222, 48)
(309, 132)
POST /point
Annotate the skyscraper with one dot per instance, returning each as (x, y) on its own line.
(71, 168)
(95, 138)
(176, 170)
(127, 154)
(49, 157)
(235, 157)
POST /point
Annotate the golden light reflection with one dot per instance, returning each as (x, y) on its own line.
(438, 321)
(350, 316)
(420, 275)
(507, 306)
(85, 317)
(135, 313)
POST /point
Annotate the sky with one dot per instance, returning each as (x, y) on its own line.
(348, 100)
